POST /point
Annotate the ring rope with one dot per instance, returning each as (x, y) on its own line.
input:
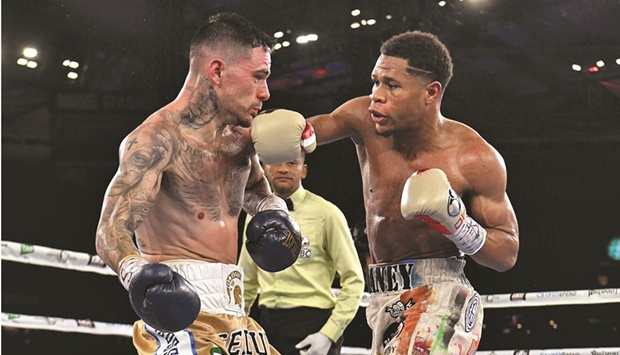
(64, 259)
(100, 328)
(580, 351)
(44, 256)
(65, 324)
(88, 326)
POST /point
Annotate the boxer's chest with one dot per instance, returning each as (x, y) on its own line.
(208, 174)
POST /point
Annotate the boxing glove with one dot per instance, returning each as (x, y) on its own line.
(427, 194)
(273, 237)
(161, 297)
(281, 135)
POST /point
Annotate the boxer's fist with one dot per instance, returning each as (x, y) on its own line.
(161, 297)
(273, 240)
(281, 135)
(427, 195)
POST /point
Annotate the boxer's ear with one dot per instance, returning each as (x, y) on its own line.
(433, 92)
(215, 68)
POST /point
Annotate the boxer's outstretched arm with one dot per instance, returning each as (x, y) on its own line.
(143, 155)
(281, 135)
(344, 122)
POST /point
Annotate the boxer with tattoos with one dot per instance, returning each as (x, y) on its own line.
(184, 175)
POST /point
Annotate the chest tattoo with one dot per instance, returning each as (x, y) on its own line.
(212, 181)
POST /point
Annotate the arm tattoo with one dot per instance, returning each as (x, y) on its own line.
(132, 193)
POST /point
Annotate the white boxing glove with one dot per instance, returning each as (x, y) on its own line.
(281, 135)
(427, 195)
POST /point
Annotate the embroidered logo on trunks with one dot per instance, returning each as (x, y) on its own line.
(398, 308)
(388, 278)
(171, 343)
(234, 290)
(245, 341)
(471, 312)
(391, 332)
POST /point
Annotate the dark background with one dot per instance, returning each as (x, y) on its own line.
(557, 129)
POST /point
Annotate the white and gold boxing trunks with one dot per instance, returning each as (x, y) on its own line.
(424, 306)
(221, 327)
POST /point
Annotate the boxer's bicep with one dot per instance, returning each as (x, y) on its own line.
(490, 206)
(132, 192)
(495, 214)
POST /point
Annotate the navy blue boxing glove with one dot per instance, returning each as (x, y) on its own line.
(161, 297)
(273, 239)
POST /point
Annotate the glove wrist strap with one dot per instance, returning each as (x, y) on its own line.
(308, 139)
(129, 267)
(272, 202)
(469, 237)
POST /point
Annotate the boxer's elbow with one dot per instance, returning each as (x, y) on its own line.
(499, 254)
(508, 257)
(102, 247)
(506, 264)
(99, 247)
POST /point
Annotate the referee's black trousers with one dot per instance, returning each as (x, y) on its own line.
(285, 328)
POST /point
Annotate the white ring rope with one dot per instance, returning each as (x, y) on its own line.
(44, 256)
(582, 351)
(551, 298)
(64, 259)
(91, 327)
(88, 326)
(65, 325)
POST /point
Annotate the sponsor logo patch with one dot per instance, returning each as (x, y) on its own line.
(305, 251)
(26, 249)
(471, 312)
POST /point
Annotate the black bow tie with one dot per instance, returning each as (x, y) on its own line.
(289, 204)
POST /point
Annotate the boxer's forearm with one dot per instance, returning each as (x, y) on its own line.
(499, 251)
(257, 188)
(114, 239)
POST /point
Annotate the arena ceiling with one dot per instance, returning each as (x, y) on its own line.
(513, 59)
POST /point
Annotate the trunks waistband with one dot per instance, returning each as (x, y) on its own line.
(411, 273)
(220, 286)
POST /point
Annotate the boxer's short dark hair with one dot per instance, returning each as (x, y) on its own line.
(423, 51)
